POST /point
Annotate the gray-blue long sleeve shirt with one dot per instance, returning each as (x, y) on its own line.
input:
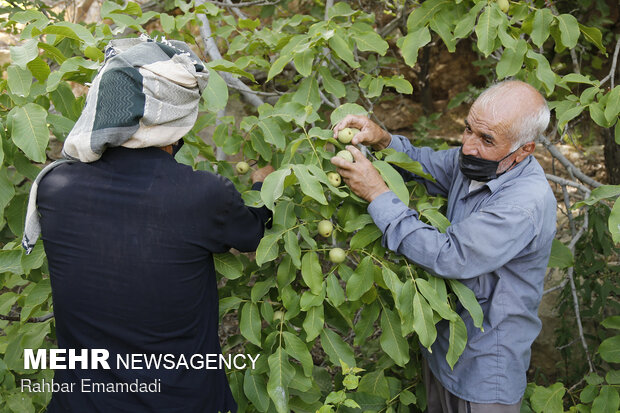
(498, 244)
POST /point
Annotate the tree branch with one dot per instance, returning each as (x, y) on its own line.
(30, 320)
(555, 152)
(566, 182)
(614, 62)
(214, 54)
(246, 4)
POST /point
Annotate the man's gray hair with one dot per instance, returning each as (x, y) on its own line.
(526, 128)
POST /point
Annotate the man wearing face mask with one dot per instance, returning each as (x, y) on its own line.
(503, 216)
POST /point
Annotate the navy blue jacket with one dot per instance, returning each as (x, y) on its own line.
(129, 241)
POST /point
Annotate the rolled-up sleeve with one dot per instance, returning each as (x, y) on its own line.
(483, 242)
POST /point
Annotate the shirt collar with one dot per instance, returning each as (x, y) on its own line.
(515, 171)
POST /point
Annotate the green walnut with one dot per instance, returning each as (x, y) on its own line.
(504, 5)
(337, 255)
(242, 167)
(334, 178)
(344, 154)
(346, 135)
(325, 228)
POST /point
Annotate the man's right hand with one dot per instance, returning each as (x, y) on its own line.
(260, 174)
(370, 133)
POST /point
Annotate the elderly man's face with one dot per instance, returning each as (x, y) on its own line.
(488, 136)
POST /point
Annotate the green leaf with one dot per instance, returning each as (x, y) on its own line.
(361, 280)
(298, 350)
(569, 30)
(486, 30)
(607, 401)
(569, 115)
(272, 132)
(342, 49)
(370, 42)
(222, 65)
(313, 323)
(250, 323)
(469, 301)
(20, 403)
(374, 382)
(19, 80)
(167, 22)
(561, 255)
(7, 190)
(311, 272)
(64, 101)
(28, 128)
(612, 108)
(540, 27)
(610, 349)
(412, 43)
(594, 36)
(365, 236)
(392, 340)
(71, 30)
(303, 62)
(268, 248)
(278, 66)
(346, 109)
(334, 291)
(598, 194)
(457, 340)
(22, 55)
(613, 377)
(280, 375)
(543, 70)
(273, 186)
(423, 14)
(407, 398)
(365, 326)
(614, 221)
(466, 24)
(331, 84)
(549, 399)
(228, 265)
(308, 93)
(423, 321)
(512, 60)
(612, 322)
(436, 218)
(215, 95)
(10, 261)
(291, 245)
(308, 183)
(255, 389)
(336, 349)
(402, 160)
(440, 306)
(393, 180)
(399, 83)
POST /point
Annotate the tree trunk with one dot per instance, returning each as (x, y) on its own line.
(612, 157)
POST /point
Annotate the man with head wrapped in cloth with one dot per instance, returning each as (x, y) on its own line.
(129, 235)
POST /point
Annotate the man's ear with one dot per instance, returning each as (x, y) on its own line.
(525, 151)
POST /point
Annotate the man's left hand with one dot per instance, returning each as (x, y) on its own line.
(361, 176)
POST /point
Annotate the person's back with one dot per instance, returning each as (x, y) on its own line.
(129, 241)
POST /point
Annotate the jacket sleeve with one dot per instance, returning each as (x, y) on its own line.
(481, 243)
(440, 164)
(238, 226)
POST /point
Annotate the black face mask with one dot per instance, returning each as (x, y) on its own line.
(479, 169)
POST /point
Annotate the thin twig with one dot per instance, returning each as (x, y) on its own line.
(246, 4)
(614, 62)
(569, 212)
(236, 10)
(557, 287)
(30, 320)
(256, 92)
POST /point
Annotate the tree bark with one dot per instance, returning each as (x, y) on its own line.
(612, 156)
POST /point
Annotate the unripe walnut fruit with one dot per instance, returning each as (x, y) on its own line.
(325, 228)
(337, 255)
(345, 155)
(242, 167)
(334, 178)
(504, 5)
(346, 135)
